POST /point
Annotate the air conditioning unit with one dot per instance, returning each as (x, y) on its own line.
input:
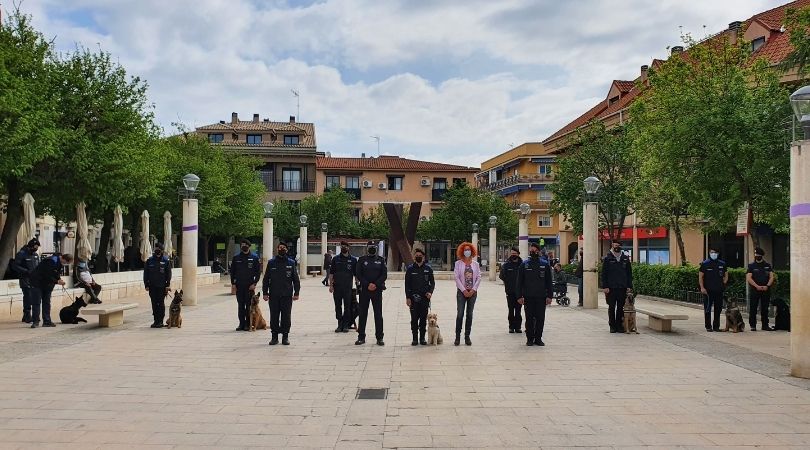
(382, 186)
(366, 183)
(424, 182)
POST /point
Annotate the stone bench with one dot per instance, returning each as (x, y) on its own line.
(660, 321)
(314, 273)
(109, 314)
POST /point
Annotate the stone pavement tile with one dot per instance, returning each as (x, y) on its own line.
(364, 444)
(115, 437)
(395, 440)
(312, 441)
(252, 440)
(745, 439)
(184, 438)
(40, 436)
(674, 439)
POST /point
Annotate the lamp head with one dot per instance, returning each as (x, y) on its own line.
(493, 220)
(525, 209)
(475, 228)
(324, 227)
(268, 208)
(303, 220)
(592, 185)
(190, 182)
(800, 102)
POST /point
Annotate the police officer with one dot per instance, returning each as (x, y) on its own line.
(760, 279)
(341, 276)
(534, 290)
(157, 277)
(245, 273)
(617, 280)
(44, 278)
(281, 287)
(371, 273)
(713, 278)
(419, 286)
(509, 276)
(23, 265)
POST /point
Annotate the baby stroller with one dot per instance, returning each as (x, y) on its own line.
(561, 289)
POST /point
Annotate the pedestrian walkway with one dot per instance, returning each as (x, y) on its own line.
(206, 385)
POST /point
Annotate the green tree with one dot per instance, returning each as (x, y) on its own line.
(334, 208)
(605, 154)
(797, 24)
(716, 123)
(286, 222)
(27, 118)
(465, 205)
(373, 224)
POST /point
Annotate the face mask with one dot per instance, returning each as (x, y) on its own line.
(83, 265)
(534, 255)
(713, 255)
(344, 250)
(617, 249)
(514, 257)
(758, 258)
(245, 249)
(467, 253)
(282, 252)
(158, 253)
(372, 250)
(418, 259)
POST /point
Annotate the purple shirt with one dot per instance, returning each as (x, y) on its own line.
(460, 272)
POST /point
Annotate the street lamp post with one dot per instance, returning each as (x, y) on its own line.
(590, 288)
(190, 230)
(523, 230)
(267, 233)
(493, 243)
(302, 253)
(475, 237)
(324, 231)
(800, 239)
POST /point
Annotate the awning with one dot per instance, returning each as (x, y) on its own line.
(543, 160)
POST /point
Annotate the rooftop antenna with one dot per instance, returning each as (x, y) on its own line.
(298, 104)
(377, 138)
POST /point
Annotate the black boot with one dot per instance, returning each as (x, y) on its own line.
(458, 339)
(422, 338)
(285, 340)
(467, 340)
(339, 327)
(415, 340)
(26, 318)
(274, 341)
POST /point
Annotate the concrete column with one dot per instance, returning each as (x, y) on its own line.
(189, 251)
(323, 243)
(799, 259)
(523, 237)
(267, 240)
(302, 253)
(493, 239)
(636, 255)
(590, 287)
(475, 243)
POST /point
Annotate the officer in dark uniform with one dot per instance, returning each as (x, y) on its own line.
(44, 278)
(341, 277)
(509, 276)
(534, 290)
(617, 280)
(371, 273)
(157, 278)
(23, 265)
(281, 287)
(419, 286)
(760, 279)
(245, 273)
(713, 278)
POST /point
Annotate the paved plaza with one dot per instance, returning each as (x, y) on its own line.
(207, 385)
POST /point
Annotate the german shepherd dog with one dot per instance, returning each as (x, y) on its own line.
(734, 319)
(175, 320)
(255, 318)
(70, 314)
(630, 313)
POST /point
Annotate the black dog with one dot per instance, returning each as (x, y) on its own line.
(782, 315)
(70, 314)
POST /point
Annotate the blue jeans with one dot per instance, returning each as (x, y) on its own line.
(463, 303)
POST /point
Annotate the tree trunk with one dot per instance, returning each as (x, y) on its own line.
(206, 241)
(102, 263)
(14, 218)
(676, 226)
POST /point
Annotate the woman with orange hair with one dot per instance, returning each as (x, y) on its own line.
(468, 278)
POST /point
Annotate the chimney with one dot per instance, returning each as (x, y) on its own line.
(222, 122)
(734, 29)
(255, 118)
(267, 120)
(234, 118)
(292, 119)
(362, 155)
(645, 69)
(678, 49)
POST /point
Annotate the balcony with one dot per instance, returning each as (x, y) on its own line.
(289, 186)
(521, 179)
(356, 193)
(538, 205)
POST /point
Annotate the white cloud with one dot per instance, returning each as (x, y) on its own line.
(204, 59)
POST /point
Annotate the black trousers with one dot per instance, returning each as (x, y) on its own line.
(419, 312)
(92, 290)
(535, 318)
(26, 290)
(158, 297)
(514, 317)
(763, 300)
(243, 299)
(615, 300)
(375, 299)
(712, 301)
(280, 314)
(41, 302)
(342, 296)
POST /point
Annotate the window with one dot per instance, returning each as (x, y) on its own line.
(290, 139)
(459, 181)
(544, 169)
(215, 138)
(545, 196)
(543, 221)
(352, 182)
(356, 215)
(440, 183)
(613, 100)
(291, 180)
(254, 139)
(332, 181)
(757, 43)
(395, 183)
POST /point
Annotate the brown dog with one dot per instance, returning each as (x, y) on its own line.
(630, 313)
(433, 332)
(734, 319)
(255, 318)
(175, 320)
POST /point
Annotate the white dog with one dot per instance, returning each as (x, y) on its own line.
(434, 335)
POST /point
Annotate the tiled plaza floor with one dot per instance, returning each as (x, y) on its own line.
(206, 385)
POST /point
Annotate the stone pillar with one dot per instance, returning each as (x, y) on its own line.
(324, 247)
(302, 253)
(267, 241)
(523, 237)
(636, 255)
(475, 243)
(493, 246)
(189, 251)
(799, 259)
(590, 256)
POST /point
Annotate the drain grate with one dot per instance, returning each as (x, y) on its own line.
(372, 394)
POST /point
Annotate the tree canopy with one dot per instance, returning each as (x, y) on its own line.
(465, 205)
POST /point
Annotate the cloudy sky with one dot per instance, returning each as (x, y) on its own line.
(445, 80)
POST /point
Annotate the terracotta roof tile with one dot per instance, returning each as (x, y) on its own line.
(624, 86)
(387, 163)
(776, 49)
(307, 131)
(579, 121)
(623, 103)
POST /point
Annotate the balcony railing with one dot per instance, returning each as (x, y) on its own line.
(438, 195)
(521, 179)
(356, 193)
(539, 205)
(289, 186)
